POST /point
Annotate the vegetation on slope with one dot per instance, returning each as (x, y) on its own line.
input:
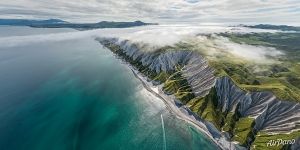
(262, 139)
(243, 131)
(176, 84)
(173, 81)
(207, 108)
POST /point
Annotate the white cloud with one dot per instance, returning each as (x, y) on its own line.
(258, 54)
(260, 11)
(217, 47)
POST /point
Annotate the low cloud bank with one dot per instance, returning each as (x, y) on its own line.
(217, 47)
(159, 36)
(258, 54)
(163, 35)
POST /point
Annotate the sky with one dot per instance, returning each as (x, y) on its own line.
(158, 11)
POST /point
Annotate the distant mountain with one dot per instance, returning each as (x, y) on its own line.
(274, 27)
(103, 24)
(56, 23)
(26, 22)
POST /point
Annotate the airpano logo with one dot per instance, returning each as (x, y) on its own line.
(280, 142)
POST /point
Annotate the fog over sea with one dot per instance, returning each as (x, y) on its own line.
(73, 94)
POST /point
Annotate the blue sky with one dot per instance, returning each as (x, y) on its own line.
(161, 11)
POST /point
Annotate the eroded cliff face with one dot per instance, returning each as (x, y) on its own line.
(271, 115)
(267, 114)
(187, 75)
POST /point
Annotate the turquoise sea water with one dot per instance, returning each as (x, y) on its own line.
(74, 95)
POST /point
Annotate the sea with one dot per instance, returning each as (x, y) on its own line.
(74, 94)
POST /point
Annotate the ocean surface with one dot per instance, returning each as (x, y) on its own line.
(75, 95)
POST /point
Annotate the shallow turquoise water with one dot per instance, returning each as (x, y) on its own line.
(74, 95)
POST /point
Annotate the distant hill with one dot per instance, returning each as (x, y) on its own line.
(26, 22)
(274, 27)
(56, 23)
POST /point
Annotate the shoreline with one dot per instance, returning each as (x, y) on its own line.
(182, 112)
